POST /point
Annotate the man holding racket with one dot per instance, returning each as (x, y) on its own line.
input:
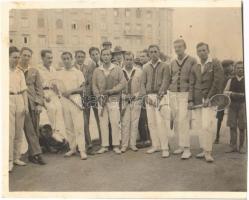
(108, 81)
(155, 82)
(70, 84)
(180, 69)
(204, 84)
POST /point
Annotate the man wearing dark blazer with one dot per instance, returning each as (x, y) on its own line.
(205, 83)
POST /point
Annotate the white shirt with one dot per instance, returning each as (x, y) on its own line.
(181, 61)
(108, 70)
(46, 74)
(154, 65)
(129, 72)
(209, 59)
(17, 81)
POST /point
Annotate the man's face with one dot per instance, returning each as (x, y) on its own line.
(67, 61)
(203, 52)
(128, 60)
(47, 59)
(80, 58)
(106, 56)
(240, 70)
(154, 53)
(118, 57)
(143, 58)
(14, 58)
(25, 57)
(228, 69)
(95, 56)
(179, 48)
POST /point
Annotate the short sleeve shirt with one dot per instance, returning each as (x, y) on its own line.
(17, 81)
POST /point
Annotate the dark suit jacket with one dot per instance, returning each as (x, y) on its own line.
(207, 83)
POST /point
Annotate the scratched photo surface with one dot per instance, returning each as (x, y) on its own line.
(127, 99)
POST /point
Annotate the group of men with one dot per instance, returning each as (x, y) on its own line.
(145, 96)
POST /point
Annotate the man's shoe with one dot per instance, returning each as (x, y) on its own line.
(178, 151)
(90, 151)
(186, 154)
(165, 153)
(19, 162)
(208, 157)
(40, 160)
(102, 150)
(123, 149)
(241, 151)
(69, 153)
(133, 148)
(117, 150)
(83, 155)
(231, 150)
(216, 141)
(152, 150)
(200, 155)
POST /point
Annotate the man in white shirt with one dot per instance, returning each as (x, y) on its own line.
(73, 81)
(52, 102)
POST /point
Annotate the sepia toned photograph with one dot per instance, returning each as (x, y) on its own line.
(126, 99)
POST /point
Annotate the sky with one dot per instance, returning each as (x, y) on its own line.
(221, 28)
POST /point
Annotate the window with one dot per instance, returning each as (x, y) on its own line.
(11, 41)
(11, 21)
(42, 41)
(74, 26)
(103, 26)
(26, 39)
(149, 27)
(41, 22)
(127, 27)
(25, 22)
(149, 14)
(138, 27)
(59, 24)
(127, 12)
(88, 27)
(116, 27)
(59, 39)
(138, 41)
(115, 13)
(138, 12)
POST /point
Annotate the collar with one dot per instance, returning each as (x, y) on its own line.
(239, 78)
(129, 73)
(209, 60)
(101, 67)
(180, 61)
(22, 69)
(158, 61)
(42, 67)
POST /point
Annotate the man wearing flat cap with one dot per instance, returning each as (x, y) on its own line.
(107, 45)
(118, 56)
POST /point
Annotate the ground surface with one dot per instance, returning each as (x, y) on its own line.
(134, 171)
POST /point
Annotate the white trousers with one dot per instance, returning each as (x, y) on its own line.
(205, 121)
(129, 123)
(55, 115)
(158, 126)
(16, 124)
(74, 123)
(111, 112)
(180, 116)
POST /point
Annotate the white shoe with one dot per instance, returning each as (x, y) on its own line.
(123, 149)
(83, 155)
(186, 154)
(208, 157)
(117, 150)
(178, 151)
(69, 153)
(20, 163)
(200, 155)
(165, 153)
(152, 150)
(133, 148)
(102, 150)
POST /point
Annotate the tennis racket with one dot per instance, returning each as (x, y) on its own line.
(58, 87)
(219, 102)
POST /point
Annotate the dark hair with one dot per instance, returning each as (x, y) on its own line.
(67, 52)
(202, 44)
(129, 53)
(26, 48)
(146, 52)
(238, 63)
(13, 49)
(154, 46)
(93, 49)
(180, 41)
(44, 52)
(105, 50)
(226, 63)
(79, 51)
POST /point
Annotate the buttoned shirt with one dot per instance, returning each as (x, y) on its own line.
(154, 65)
(17, 81)
(107, 70)
(209, 60)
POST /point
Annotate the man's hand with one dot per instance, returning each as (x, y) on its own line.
(66, 94)
(206, 103)
(190, 105)
(38, 109)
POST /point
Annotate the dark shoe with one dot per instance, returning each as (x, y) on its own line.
(90, 151)
(231, 150)
(241, 150)
(37, 159)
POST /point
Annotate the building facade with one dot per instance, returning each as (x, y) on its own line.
(72, 29)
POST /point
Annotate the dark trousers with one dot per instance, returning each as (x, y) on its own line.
(233, 133)
(89, 103)
(31, 130)
(143, 124)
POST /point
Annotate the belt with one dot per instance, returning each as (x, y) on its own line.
(46, 88)
(17, 93)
